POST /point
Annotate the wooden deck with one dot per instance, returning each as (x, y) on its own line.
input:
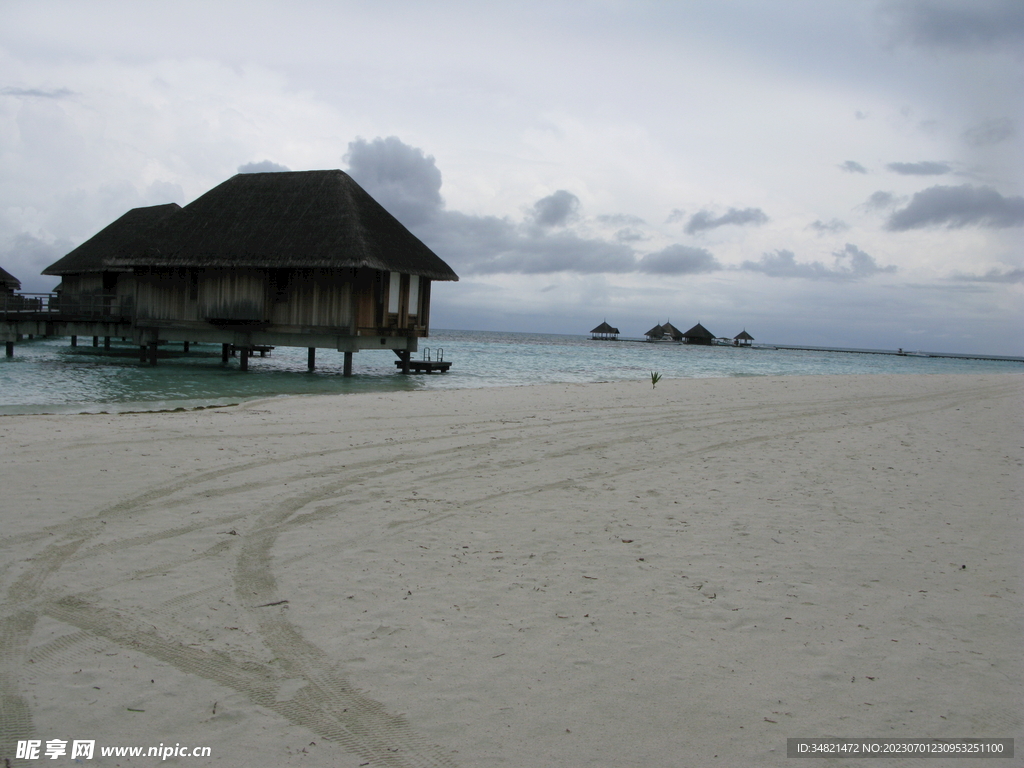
(425, 366)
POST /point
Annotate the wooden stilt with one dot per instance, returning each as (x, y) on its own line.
(243, 361)
(95, 341)
(153, 347)
(106, 342)
(311, 358)
(348, 364)
(225, 352)
(74, 341)
(404, 356)
(142, 353)
(10, 348)
(184, 346)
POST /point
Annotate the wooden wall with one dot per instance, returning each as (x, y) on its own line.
(345, 300)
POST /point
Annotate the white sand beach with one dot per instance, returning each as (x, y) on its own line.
(566, 575)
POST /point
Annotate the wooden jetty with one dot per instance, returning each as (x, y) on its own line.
(305, 259)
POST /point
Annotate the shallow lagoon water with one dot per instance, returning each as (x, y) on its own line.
(50, 376)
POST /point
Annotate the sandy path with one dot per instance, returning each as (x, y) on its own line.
(565, 575)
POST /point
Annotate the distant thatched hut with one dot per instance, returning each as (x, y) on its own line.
(743, 339)
(699, 335)
(302, 258)
(672, 332)
(604, 332)
(659, 332)
(656, 333)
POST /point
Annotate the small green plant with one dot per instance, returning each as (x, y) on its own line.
(655, 378)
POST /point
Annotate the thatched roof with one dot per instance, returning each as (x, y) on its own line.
(605, 328)
(698, 332)
(300, 220)
(656, 332)
(743, 336)
(96, 253)
(672, 331)
(9, 282)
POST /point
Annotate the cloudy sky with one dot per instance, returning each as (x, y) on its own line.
(836, 173)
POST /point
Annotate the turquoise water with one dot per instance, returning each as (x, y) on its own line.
(50, 376)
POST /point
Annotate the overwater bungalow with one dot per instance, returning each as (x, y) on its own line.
(661, 332)
(698, 335)
(8, 282)
(305, 259)
(743, 339)
(657, 333)
(672, 332)
(604, 332)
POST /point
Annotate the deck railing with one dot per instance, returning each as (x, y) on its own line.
(57, 306)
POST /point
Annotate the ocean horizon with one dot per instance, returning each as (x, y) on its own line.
(50, 376)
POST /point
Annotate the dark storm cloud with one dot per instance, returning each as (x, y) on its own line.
(957, 207)
(924, 168)
(263, 166)
(399, 177)
(957, 25)
(994, 276)
(679, 260)
(851, 263)
(990, 132)
(407, 183)
(705, 220)
(25, 256)
(556, 210)
(852, 166)
(828, 227)
(38, 93)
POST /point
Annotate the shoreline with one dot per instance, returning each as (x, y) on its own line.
(552, 574)
(201, 404)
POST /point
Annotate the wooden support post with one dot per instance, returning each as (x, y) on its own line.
(74, 341)
(95, 341)
(184, 346)
(311, 358)
(348, 364)
(225, 351)
(106, 342)
(243, 362)
(142, 353)
(404, 356)
(153, 347)
(10, 348)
